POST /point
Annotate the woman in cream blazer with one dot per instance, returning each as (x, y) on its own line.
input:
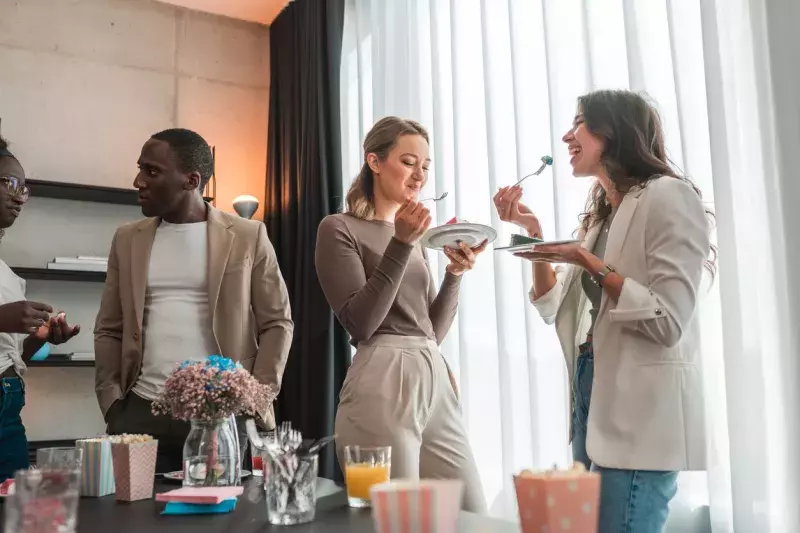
(624, 302)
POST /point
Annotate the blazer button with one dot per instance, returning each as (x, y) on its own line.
(136, 336)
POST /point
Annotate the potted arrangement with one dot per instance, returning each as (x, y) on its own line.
(209, 394)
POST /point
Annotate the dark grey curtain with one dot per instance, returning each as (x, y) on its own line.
(303, 186)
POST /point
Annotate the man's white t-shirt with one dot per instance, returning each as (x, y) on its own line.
(177, 321)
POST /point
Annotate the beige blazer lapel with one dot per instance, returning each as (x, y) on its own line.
(621, 225)
(141, 245)
(220, 242)
(617, 233)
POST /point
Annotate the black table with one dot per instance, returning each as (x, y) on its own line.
(106, 515)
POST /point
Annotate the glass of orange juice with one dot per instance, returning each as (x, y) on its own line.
(365, 466)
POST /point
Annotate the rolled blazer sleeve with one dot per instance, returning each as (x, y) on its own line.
(547, 304)
(677, 244)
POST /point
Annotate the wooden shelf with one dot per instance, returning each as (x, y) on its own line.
(84, 193)
(59, 363)
(59, 275)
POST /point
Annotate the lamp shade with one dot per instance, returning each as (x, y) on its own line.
(245, 205)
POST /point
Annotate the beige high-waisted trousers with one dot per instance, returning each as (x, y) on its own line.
(398, 393)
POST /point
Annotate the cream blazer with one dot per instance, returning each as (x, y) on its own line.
(646, 408)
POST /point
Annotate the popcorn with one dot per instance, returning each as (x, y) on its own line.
(126, 438)
(97, 469)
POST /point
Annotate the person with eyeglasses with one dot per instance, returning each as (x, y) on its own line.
(24, 325)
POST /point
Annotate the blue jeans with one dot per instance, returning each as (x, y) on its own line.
(631, 501)
(13, 442)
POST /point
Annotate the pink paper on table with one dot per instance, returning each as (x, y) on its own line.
(202, 495)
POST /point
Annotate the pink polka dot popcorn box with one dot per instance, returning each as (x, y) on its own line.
(556, 501)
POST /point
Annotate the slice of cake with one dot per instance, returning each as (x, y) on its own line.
(517, 240)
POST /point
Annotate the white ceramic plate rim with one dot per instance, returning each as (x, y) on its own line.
(532, 245)
(489, 232)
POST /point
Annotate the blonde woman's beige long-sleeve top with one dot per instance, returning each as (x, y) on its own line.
(376, 284)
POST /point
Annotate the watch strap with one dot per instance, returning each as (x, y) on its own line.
(601, 276)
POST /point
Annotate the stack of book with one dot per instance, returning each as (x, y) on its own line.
(84, 263)
(67, 356)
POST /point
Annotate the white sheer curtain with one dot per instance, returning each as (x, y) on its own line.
(495, 82)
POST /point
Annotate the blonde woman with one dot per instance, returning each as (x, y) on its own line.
(375, 275)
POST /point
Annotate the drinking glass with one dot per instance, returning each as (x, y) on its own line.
(44, 501)
(257, 456)
(365, 466)
(59, 458)
(291, 488)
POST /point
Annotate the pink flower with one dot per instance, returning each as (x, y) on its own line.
(209, 390)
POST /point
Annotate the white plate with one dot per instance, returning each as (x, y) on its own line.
(450, 235)
(531, 245)
(178, 475)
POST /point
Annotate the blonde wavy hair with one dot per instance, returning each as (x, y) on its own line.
(380, 140)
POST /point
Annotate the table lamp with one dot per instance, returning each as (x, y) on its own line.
(245, 205)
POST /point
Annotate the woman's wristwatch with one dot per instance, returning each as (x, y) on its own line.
(601, 276)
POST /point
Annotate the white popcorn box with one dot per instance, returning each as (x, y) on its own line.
(424, 506)
(97, 469)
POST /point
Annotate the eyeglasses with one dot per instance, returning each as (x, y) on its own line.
(15, 187)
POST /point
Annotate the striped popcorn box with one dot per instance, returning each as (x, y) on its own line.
(97, 470)
(134, 467)
(424, 506)
(553, 501)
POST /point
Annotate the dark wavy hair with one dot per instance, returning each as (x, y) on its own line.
(634, 152)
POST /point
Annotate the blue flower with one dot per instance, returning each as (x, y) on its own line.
(221, 363)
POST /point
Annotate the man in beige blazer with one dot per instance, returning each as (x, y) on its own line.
(187, 282)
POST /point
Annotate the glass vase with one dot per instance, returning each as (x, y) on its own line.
(211, 455)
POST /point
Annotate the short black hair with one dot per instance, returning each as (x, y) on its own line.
(192, 152)
(4, 148)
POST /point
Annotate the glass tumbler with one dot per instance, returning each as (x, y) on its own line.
(365, 466)
(291, 488)
(44, 501)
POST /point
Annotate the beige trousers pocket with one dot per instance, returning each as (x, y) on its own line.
(399, 392)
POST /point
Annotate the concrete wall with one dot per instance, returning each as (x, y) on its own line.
(83, 84)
